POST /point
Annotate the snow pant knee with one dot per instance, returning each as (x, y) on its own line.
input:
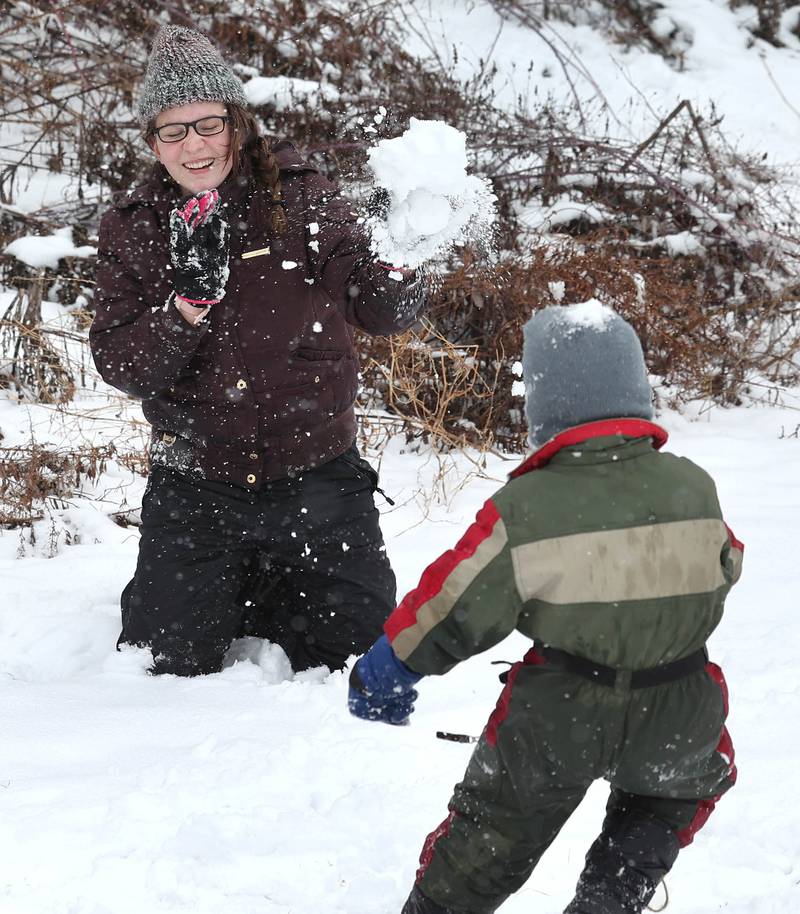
(181, 601)
(300, 562)
(325, 587)
(505, 813)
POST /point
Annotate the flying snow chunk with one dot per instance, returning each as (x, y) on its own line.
(289, 264)
(434, 204)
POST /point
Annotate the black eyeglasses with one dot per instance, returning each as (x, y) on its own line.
(205, 126)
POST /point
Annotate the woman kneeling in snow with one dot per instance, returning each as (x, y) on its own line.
(228, 286)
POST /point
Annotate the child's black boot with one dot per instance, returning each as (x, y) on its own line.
(624, 865)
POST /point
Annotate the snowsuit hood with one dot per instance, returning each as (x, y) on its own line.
(581, 363)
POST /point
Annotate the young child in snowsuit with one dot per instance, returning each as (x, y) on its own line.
(613, 557)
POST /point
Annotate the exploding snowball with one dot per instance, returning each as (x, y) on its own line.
(434, 203)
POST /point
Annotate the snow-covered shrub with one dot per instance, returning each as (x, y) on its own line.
(31, 359)
(695, 243)
(37, 479)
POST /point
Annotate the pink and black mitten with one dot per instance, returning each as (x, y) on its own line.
(199, 243)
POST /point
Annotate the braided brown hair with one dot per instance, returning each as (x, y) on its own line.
(247, 143)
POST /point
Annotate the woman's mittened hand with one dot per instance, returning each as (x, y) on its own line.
(199, 247)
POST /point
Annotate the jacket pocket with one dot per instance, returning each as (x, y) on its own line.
(335, 370)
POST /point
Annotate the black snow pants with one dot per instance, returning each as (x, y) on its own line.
(664, 749)
(300, 562)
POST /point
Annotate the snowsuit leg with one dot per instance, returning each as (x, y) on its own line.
(418, 903)
(325, 585)
(671, 770)
(552, 734)
(524, 780)
(195, 552)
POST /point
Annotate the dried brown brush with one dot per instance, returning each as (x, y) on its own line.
(695, 349)
(28, 357)
(35, 477)
(433, 384)
(713, 321)
(31, 475)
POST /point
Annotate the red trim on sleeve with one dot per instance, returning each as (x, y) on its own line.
(630, 428)
(725, 749)
(435, 575)
(736, 543)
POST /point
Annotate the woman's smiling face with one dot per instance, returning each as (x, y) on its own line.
(196, 162)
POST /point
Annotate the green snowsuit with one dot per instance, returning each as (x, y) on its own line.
(599, 547)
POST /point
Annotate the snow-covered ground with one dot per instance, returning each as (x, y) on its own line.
(256, 793)
(752, 84)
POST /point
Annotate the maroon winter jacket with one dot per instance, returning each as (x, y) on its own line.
(267, 386)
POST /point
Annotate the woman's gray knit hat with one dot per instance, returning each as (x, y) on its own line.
(185, 67)
(581, 363)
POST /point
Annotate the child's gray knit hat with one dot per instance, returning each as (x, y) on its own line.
(581, 363)
(185, 67)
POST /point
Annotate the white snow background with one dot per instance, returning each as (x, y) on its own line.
(256, 793)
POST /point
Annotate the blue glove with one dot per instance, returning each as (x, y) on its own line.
(381, 686)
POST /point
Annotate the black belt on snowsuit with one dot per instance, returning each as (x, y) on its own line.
(607, 676)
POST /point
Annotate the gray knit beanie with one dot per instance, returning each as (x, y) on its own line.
(581, 363)
(185, 67)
